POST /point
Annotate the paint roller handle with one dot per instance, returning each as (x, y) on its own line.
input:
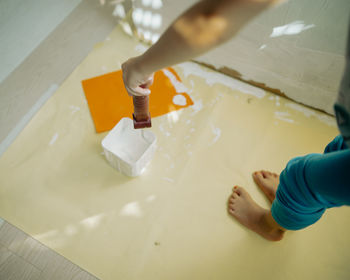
(141, 115)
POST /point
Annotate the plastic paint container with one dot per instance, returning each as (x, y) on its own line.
(129, 150)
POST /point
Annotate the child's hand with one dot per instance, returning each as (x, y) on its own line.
(136, 82)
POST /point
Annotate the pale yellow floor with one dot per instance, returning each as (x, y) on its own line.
(170, 223)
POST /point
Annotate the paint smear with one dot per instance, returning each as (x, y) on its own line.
(217, 132)
(53, 139)
(198, 105)
(180, 100)
(74, 109)
(309, 112)
(214, 77)
(283, 116)
(179, 87)
(292, 28)
(109, 102)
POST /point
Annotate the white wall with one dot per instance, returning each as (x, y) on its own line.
(296, 48)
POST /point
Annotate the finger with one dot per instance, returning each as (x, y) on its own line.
(142, 91)
(138, 91)
(148, 83)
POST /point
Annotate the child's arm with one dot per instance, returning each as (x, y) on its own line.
(204, 26)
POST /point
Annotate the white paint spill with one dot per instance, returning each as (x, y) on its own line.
(179, 87)
(197, 106)
(283, 116)
(180, 100)
(214, 77)
(309, 112)
(74, 109)
(53, 139)
(292, 28)
(131, 209)
(92, 221)
(217, 132)
(162, 129)
(168, 179)
(262, 47)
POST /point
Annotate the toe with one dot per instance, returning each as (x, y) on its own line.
(258, 177)
(230, 207)
(231, 211)
(239, 190)
(265, 173)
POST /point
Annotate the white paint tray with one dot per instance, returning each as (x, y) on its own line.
(127, 149)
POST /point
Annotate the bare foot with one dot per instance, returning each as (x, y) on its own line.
(267, 182)
(242, 207)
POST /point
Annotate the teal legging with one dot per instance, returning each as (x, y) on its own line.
(311, 184)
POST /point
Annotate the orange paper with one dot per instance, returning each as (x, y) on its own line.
(109, 102)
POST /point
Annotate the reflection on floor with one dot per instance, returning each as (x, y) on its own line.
(171, 222)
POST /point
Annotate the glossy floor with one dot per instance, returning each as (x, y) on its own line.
(171, 222)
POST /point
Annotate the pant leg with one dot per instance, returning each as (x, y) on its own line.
(311, 184)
